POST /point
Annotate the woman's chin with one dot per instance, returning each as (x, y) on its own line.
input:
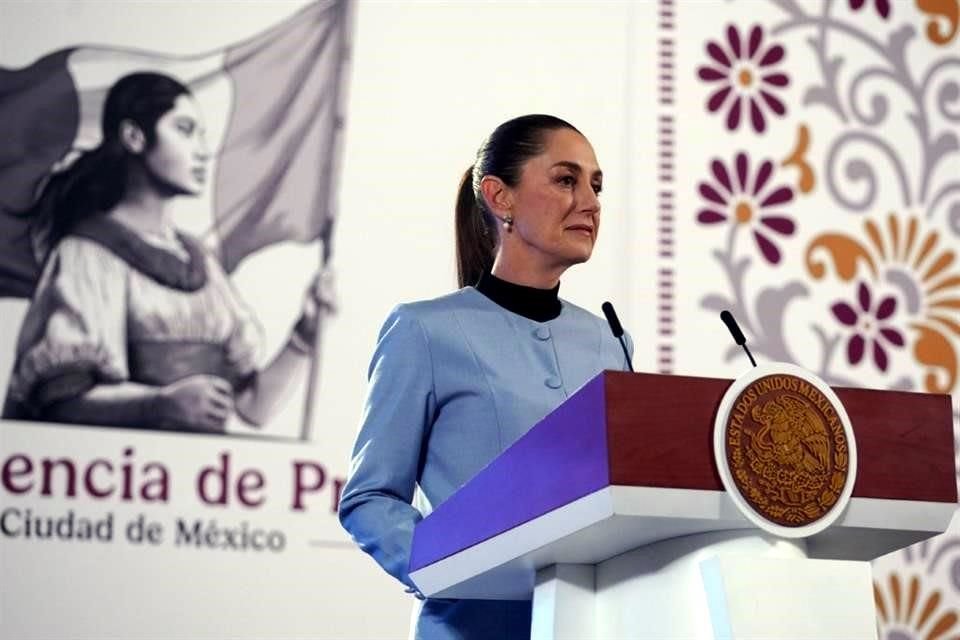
(578, 257)
(193, 190)
(582, 253)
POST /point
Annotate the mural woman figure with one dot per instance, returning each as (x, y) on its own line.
(133, 322)
(456, 380)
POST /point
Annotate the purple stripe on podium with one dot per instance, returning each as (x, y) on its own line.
(562, 458)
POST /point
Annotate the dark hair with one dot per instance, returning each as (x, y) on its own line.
(503, 155)
(96, 181)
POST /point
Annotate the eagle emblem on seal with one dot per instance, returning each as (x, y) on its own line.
(786, 449)
(792, 434)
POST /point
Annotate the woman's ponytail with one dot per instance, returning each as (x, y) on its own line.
(94, 183)
(475, 238)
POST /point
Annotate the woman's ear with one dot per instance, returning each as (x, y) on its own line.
(497, 196)
(132, 137)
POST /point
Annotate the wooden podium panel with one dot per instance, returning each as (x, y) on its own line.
(663, 430)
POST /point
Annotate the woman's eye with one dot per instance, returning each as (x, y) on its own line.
(597, 188)
(567, 181)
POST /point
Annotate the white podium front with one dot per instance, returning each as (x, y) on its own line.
(716, 585)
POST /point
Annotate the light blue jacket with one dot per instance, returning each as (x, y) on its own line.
(453, 382)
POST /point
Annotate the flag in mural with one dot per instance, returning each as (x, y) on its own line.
(272, 104)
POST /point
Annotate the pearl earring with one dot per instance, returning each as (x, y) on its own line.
(508, 223)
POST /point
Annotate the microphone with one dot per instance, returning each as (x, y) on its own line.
(617, 329)
(738, 337)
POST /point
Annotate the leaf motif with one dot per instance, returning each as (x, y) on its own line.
(913, 119)
(846, 254)
(838, 479)
(946, 9)
(798, 158)
(825, 94)
(780, 296)
(715, 302)
(934, 351)
(771, 306)
(739, 268)
(945, 143)
(833, 67)
(818, 94)
(897, 45)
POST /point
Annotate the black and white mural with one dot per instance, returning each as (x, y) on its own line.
(134, 322)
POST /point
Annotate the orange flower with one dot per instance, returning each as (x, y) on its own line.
(914, 261)
(905, 611)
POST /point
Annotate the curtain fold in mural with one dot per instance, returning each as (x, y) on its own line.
(272, 104)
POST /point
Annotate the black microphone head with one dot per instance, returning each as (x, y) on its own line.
(728, 320)
(612, 319)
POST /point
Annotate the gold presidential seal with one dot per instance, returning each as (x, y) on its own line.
(787, 449)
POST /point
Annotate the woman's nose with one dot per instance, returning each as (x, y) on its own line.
(202, 150)
(590, 199)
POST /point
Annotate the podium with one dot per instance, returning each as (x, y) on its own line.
(610, 514)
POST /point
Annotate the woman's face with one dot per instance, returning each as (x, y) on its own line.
(555, 206)
(178, 158)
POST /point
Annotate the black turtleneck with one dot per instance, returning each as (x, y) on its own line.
(539, 305)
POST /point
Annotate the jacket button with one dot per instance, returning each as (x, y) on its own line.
(553, 382)
(542, 333)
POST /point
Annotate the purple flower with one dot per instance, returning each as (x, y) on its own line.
(746, 199)
(882, 6)
(747, 77)
(869, 326)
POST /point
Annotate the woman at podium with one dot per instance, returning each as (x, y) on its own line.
(456, 380)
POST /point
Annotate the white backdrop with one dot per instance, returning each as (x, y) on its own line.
(428, 82)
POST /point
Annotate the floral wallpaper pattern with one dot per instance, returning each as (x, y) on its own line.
(828, 198)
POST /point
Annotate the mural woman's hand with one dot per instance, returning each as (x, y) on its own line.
(319, 300)
(197, 403)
